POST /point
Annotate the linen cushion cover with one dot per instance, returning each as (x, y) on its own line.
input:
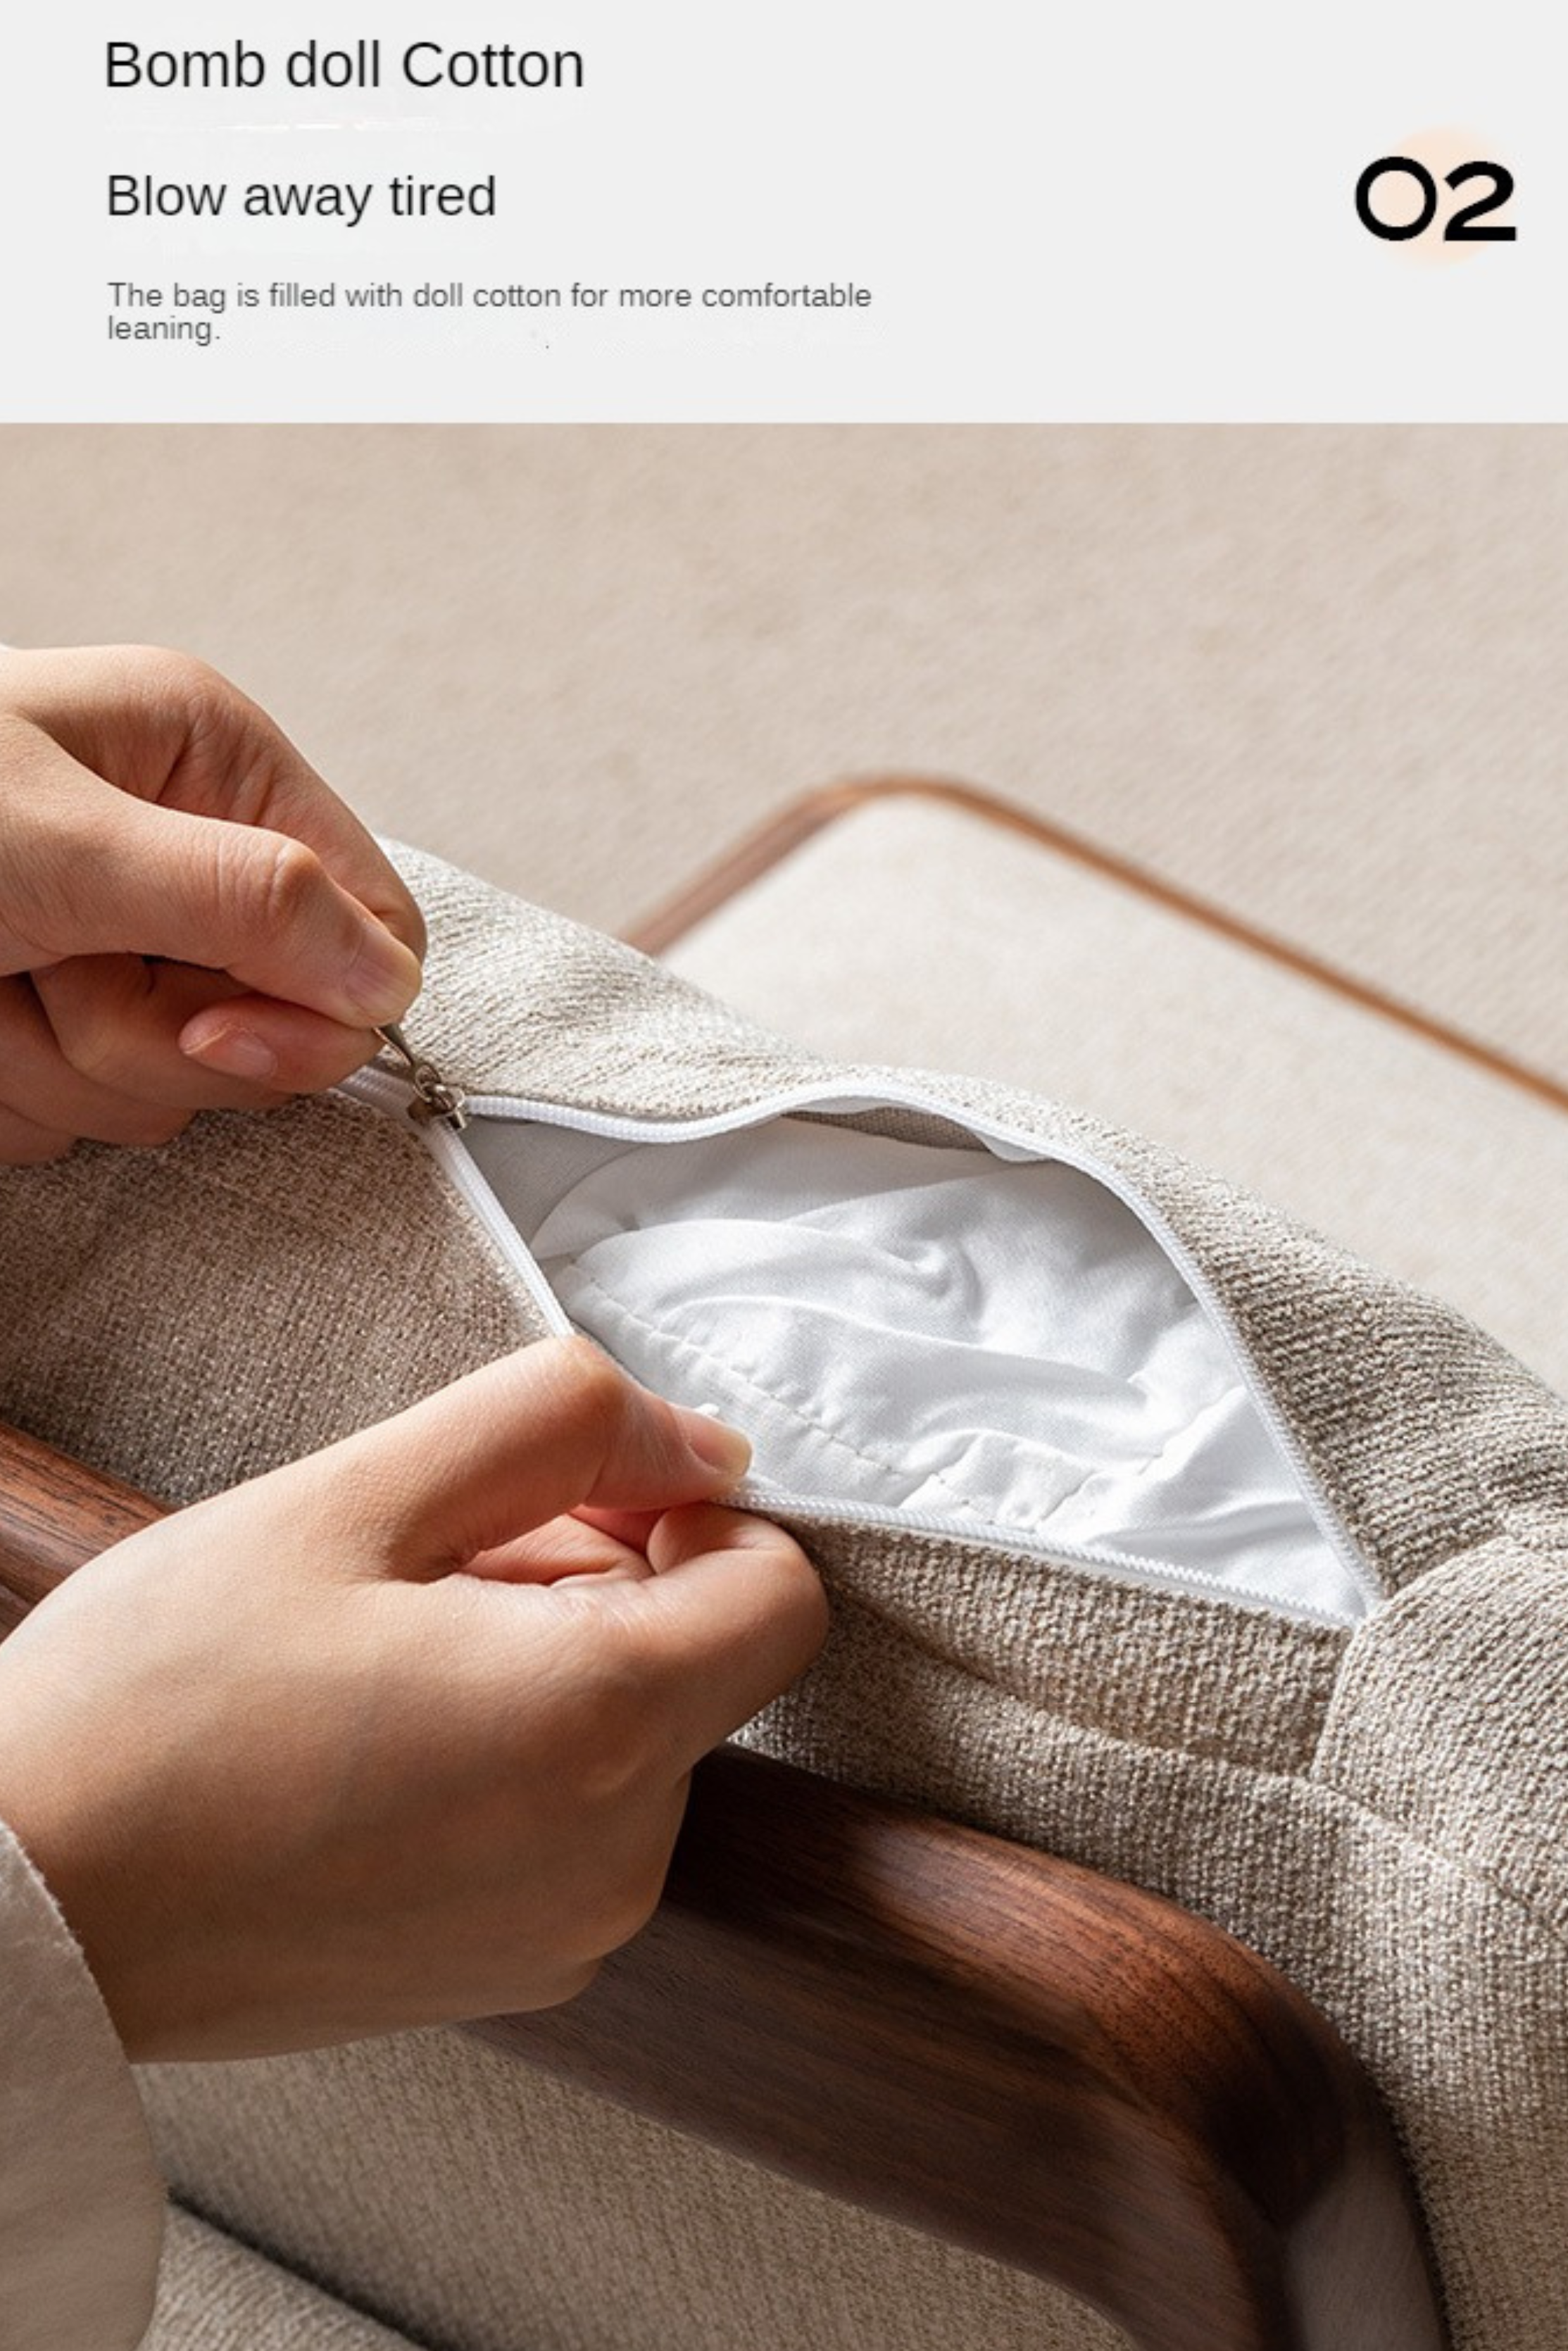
(1376, 1804)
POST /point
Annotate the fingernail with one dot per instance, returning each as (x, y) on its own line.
(715, 1443)
(383, 978)
(237, 1052)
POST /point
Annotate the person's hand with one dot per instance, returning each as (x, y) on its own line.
(382, 1740)
(189, 919)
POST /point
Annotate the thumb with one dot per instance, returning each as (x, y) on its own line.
(516, 1445)
(123, 875)
(732, 1614)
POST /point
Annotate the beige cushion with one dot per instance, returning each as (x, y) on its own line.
(217, 2294)
(912, 930)
(1377, 1809)
(496, 2210)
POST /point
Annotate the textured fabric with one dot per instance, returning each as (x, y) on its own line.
(912, 931)
(214, 2295)
(1414, 1892)
(1313, 673)
(184, 1313)
(81, 2204)
(1380, 1813)
(496, 2210)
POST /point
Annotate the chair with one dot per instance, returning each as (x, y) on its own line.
(873, 2078)
(1013, 2055)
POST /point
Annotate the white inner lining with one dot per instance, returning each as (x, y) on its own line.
(1002, 1346)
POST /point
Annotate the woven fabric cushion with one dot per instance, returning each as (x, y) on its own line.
(490, 2208)
(217, 2294)
(1370, 1789)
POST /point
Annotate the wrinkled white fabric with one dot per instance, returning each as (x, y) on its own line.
(1000, 1345)
(81, 2203)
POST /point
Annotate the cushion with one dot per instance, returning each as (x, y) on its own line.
(217, 2294)
(494, 2209)
(1325, 1709)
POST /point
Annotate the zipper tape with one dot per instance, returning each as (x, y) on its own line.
(439, 1112)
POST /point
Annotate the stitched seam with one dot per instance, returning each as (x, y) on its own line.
(1457, 1865)
(986, 1515)
(706, 1357)
(929, 1644)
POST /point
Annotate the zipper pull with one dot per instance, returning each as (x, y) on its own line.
(433, 1099)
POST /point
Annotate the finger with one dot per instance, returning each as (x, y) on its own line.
(25, 1144)
(168, 728)
(118, 1022)
(37, 1080)
(259, 905)
(240, 764)
(591, 1578)
(561, 1548)
(280, 1045)
(170, 1033)
(733, 1612)
(633, 1528)
(93, 871)
(520, 1443)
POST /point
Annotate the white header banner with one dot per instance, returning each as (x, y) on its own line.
(694, 211)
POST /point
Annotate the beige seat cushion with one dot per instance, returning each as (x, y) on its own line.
(913, 930)
(217, 2294)
(496, 2210)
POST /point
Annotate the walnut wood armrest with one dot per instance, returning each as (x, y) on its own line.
(999, 2048)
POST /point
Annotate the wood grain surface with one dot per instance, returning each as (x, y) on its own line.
(55, 1515)
(999, 2048)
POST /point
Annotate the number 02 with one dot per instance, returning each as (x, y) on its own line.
(1466, 227)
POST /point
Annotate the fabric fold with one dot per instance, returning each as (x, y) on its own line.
(81, 2202)
(999, 1344)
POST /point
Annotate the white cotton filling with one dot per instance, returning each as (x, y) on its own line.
(1001, 1347)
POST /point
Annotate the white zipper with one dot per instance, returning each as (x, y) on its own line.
(388, 1092)
(439, 1112)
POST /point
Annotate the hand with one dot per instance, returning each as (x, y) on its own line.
(149, 811)
(382, 1740)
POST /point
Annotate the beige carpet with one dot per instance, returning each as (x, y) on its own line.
(1316, 673)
